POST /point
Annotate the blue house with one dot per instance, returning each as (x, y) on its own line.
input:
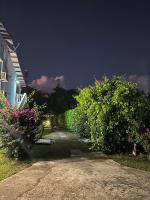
(11, 76)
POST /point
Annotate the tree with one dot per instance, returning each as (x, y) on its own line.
(57, 102)
(61, 100)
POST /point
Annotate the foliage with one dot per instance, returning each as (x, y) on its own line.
(112, 113)
(144, 139)
(61, 100)
(56, 102)
(60, 121)
(70, 119)
(76, 122)
(19, 129)
(36, 97)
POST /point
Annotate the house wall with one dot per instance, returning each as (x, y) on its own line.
(10, 86)
(12, 79)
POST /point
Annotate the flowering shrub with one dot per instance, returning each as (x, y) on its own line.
(19, 128)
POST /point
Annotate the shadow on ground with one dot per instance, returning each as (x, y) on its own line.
(65, 145)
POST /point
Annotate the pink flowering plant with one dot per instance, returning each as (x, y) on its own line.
(20, 128)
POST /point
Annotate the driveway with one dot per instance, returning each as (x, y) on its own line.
(83, 175)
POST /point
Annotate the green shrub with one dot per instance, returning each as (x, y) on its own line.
(77, 122)
(69, 119)
(143, 140)
(112, 113)
(118, 111)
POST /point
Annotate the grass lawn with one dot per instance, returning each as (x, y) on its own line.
(138, 162)
(9, 167)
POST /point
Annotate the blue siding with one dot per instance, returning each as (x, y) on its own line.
(12, 88)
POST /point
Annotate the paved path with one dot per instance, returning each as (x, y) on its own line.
(82, 176)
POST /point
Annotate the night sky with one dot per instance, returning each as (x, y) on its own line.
(80, 39)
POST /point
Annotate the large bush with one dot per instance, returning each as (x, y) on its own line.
(114, 113)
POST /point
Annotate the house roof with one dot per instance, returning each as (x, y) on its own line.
(13, 54)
